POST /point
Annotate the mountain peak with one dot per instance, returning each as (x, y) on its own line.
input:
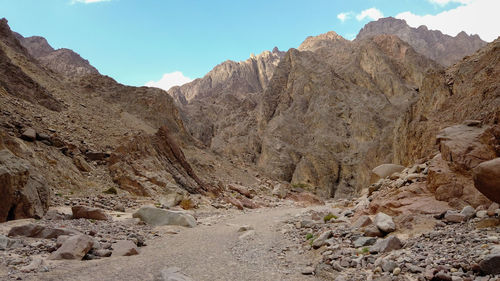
(440, 47)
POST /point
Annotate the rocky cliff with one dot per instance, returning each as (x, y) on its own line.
(442, 48)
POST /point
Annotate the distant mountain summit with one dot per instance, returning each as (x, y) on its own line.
(63, 61)
(440, 47)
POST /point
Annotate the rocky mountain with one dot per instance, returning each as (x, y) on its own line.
(442, 48)
(63, 61)
(219, 109)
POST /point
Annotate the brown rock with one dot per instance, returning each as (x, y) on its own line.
(29, 134)
(73, 248)
(125, 248)
(39, 231)
(362, 221)
(237, 203)
(488, 222)
(247, 203)
(372, 231)
(81, 164)
(306, 198)
(24, 193)
(487, 179)
(84, 212)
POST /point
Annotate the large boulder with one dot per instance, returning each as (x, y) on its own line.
(74, 248)
(155, 216)
(385, 170)
(487, 179)
(23, 193)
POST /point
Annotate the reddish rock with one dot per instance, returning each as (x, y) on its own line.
(487, 179)
(247, 203)
(39, 231)
(84, 212)
(241, 190)
(306, 197)
(237, 203)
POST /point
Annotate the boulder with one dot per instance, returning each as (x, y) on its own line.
(39, 231)
(487, 179)
(29, 134)
(6, 242)
(24, 194)
(384, 223)
(372, 231)
(453, 216)
(84, 212)
(125, 248)
(74, 248)
(155, 216)
(491, 264)
(386, 245)
(386, 170)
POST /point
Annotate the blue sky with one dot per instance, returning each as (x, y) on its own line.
(136, 41)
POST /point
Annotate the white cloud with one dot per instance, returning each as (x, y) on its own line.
(446, 2)
(476, 17)
(88, 1)
(169, 80)
(372, 13)
(344, 16)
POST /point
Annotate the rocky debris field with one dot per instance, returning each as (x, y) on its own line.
(455, 245)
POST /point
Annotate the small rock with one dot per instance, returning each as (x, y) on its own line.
(452, 216)
(384, 223)
(441, 276)
(468, 212)
(103, 253)
(280, 191)
(320, 241)
(124, 248)
(386, 245)
(34, 265)
(364, 241)
(482, 214)
(84, 212)
(6, 243)
(74, 248)
(388, 265)
(29, 134)
(362, 221)
(308, 270)
(396, 271)
(372, 231)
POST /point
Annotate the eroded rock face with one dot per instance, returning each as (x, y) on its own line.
(442, 48)
(147, 165)
(23, 193)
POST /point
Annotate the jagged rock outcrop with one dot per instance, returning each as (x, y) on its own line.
(327, 116)
(470, 90)
(219, 109)
(442, 48)
(63, 61)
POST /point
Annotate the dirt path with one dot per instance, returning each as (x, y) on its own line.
(206, 252)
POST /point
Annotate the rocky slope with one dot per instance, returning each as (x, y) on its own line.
(442, 48)
(62, 126)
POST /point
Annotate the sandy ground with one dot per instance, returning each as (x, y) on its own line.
(214, 250)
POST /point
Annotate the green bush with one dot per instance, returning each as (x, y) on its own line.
(309, 236)
(328, 217)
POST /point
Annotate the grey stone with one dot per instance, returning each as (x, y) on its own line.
(386, 245)
(320, 241)
(453, 216)
(364, 241)
(468, 212)
(384, 222)
(155, 216)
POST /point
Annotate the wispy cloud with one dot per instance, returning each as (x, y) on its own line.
(476, 17)
(88, 1)
(344, 16)
(169, 80)
(372, 14)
